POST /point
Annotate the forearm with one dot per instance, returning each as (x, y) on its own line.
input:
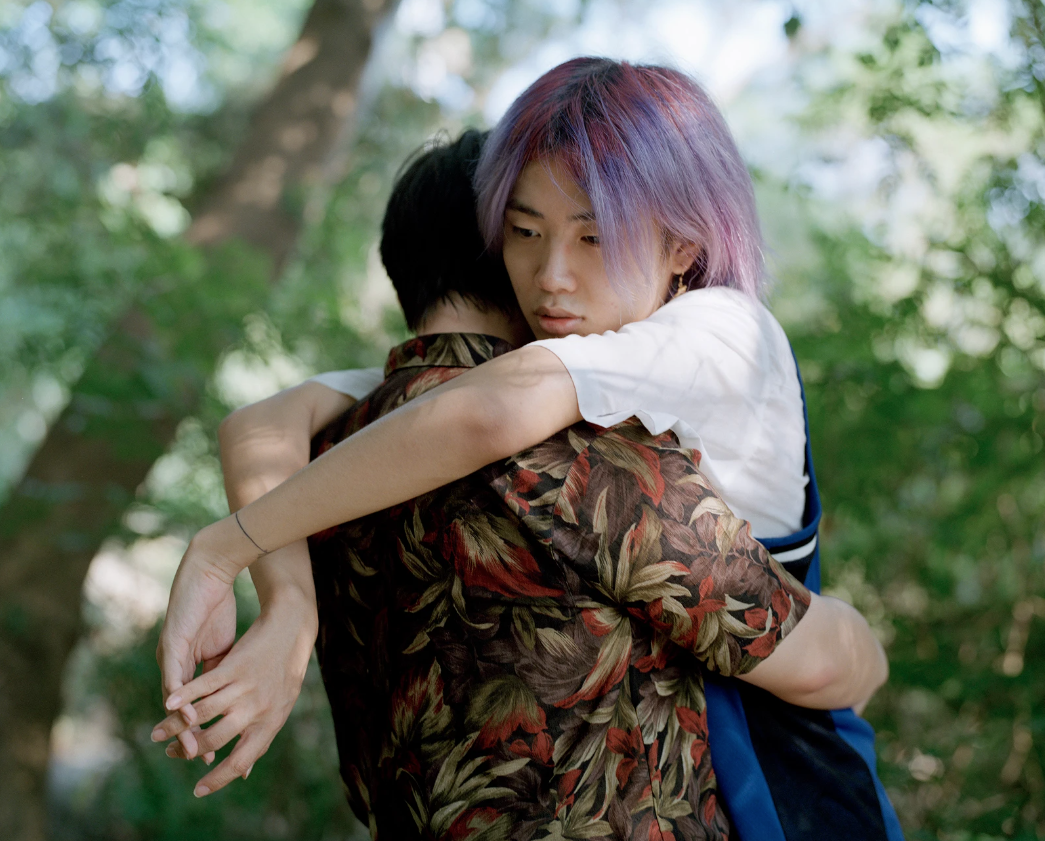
(261, 446)
(284, 583)
(489, 413)
(830, 660)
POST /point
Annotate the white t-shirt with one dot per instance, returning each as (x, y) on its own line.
(356, 383)
(712, 365)
(715, 367)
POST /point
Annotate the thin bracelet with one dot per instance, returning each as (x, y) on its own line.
(251, 539)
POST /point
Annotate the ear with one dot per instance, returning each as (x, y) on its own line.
(682, 256)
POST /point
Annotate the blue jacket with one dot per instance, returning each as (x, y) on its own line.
(787, 773)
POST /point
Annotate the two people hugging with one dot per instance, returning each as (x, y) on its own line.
(524, 550)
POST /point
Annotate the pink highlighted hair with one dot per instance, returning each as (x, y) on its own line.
(646, 144)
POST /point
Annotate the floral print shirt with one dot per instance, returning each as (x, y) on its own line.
(518, 655)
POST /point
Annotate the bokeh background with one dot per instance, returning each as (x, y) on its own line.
(190, 192)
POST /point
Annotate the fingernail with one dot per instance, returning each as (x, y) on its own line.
(157, 734)
(171, 751)
(173, 702)
(207, 761)
(251, 768)
(201, 791)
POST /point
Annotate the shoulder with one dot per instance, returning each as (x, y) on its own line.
(698, 302)
(716, 325)
(724, 325)
(718, 310)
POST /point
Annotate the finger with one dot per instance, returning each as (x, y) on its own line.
(217, 704)
(237, 764)
(202, 712)
(175, 751)
(175, 723)
(189, 743)
(214, 738)
(170, 727)
(206, 684)
(177, 666)
(212, 663)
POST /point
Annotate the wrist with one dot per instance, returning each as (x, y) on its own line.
(226, 547)
(293, 608)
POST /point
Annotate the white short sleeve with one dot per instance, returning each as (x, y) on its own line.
(355, 383)
(714, 366)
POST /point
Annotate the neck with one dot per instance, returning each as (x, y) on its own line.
(457, 315)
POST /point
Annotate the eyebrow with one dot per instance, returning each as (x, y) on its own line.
(519, 207)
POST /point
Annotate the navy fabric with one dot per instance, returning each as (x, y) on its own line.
(860, 736)
(786, 773)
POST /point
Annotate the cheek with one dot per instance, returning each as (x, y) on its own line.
(647, 302)
(521, 275)
(589, 274)
(612, 310)
(515, 265)
(603, 307)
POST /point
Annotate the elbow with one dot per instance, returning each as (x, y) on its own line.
(243, 423)
(231, 427)
(278, 416)
(839, 676)
(881, 669)
(852, 675)
(486, 423)
(822, 676)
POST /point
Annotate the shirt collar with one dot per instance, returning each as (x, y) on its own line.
(445, 350)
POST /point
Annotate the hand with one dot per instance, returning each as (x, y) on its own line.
(200, 625)
(254, 687)
(214, 641)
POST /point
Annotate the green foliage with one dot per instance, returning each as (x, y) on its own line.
(934, 500)
(927, 404)
(97, 163)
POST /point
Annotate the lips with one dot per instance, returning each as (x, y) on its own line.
(556, 321)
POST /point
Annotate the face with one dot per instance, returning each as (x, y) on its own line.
(553, 256)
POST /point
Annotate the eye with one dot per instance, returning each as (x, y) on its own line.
(591, 239)
(523, 233)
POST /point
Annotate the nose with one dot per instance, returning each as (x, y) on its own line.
(555, 272)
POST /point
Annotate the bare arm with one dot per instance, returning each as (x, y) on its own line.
(830, 660)
(265, 443)
(489, 413)
(261, 446)
(260, 678)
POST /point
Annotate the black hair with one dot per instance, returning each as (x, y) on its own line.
(430, 240)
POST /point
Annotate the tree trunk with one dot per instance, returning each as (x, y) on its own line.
(102, 446)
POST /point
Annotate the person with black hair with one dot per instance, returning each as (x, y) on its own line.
(446, 282)
(430, 241)
(434, 254)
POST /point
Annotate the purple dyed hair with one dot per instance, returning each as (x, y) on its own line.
(645, 143)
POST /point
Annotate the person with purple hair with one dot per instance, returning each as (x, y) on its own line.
(622, 208)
